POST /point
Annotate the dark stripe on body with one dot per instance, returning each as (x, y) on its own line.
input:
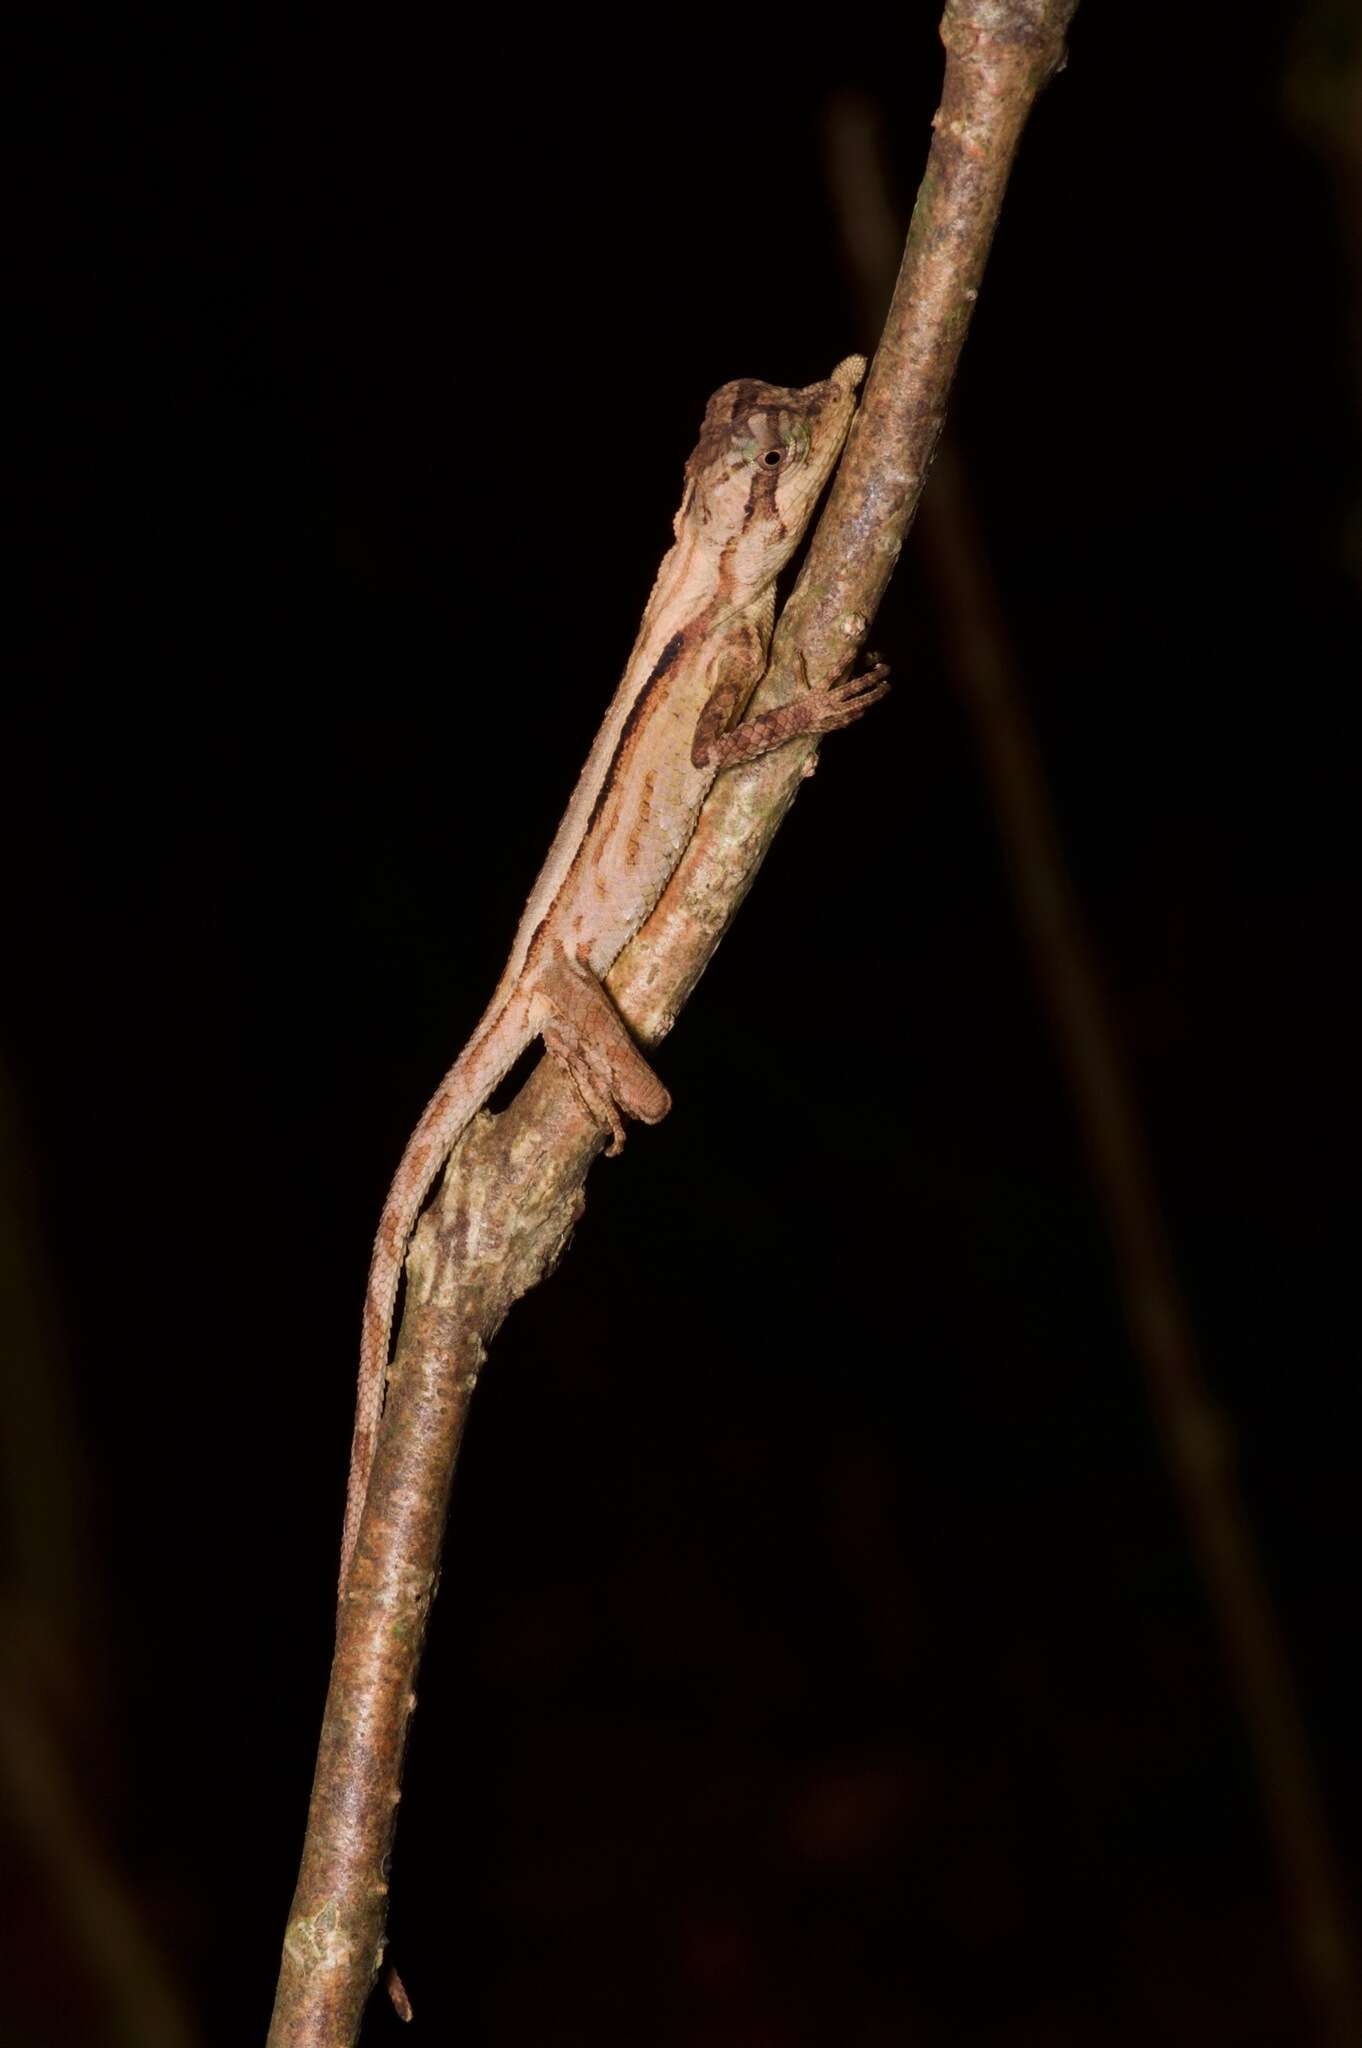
(666, 660)
(695, 632)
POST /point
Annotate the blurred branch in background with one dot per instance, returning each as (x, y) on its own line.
(1323, 91)
(97, 1914)
(96, 1954)
(1196, 1438)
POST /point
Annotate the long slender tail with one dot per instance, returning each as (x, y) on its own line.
(488, 1057)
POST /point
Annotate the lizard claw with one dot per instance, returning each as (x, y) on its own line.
(836, 703)
(846, 699)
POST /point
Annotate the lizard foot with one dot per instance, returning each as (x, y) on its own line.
(839, 702)
(584, 1033)
(844, 696)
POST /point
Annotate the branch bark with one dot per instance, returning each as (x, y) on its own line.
(513, 1189)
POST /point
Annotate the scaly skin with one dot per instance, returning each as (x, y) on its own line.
(752, 483)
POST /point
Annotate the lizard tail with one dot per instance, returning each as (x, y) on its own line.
(487, 1058)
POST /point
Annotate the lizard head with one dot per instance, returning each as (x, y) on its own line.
(759, 467)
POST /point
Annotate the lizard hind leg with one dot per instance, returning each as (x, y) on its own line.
(584, 1032)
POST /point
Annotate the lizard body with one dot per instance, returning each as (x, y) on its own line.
(752, 482)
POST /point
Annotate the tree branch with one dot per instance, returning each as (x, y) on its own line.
(514, 1187)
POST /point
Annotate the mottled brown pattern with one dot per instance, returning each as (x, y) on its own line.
(641, 817)
(732, 407)
(638, 712)
(718, 715)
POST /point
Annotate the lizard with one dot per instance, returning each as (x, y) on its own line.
(676, 720)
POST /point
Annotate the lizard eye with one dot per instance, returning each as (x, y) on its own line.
(773, 458)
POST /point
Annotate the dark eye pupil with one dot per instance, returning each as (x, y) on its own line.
(771, 457)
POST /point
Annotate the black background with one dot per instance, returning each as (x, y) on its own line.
(818, 1656)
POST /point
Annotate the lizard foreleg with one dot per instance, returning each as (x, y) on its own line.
(840, 700)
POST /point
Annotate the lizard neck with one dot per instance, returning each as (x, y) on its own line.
(698, 580)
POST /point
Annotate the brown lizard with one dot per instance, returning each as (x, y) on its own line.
(751, 485)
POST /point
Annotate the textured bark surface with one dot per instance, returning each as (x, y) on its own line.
(514, 1186)
(509, 1200)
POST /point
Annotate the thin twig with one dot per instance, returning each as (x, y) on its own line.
(514, 1188)
(1196, 1438)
